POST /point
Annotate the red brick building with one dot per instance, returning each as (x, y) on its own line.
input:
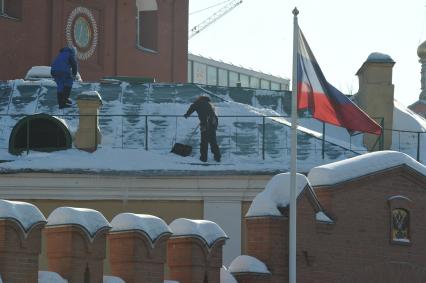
(362, 226)
(145, 38)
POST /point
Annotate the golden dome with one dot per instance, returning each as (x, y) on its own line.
(421, 50)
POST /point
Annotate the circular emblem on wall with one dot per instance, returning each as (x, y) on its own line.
(82, 32)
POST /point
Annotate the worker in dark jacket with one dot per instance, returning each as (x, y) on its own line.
(64, 71)
(208, 126)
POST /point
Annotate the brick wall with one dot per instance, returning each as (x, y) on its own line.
(358, 246)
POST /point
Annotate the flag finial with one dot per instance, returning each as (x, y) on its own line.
(295, 11)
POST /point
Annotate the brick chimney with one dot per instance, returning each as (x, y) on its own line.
(195, 251)
(88, 135)
(20, 241)
(376, 95)
(76, 243)
(137, 244)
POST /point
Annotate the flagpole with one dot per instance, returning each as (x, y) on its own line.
(293, 161)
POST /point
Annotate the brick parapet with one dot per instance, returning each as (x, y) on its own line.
(134, 258)
(190, 259)
(19, 251)
(73, 254)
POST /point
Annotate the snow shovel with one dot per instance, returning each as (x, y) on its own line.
(184, 149)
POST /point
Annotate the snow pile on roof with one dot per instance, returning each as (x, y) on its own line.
(368, 163)
(153, 226)
(38, 72)
(245, 263)
(49, 277)
(89, 219)
(406, 120)
(207, 230)
(113, 279)
(322, 217)
(226, 276)
(25, 213)
(276, 194)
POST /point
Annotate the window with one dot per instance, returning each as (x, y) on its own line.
(223, 77)
(233, 79)
(264, 84)
(147, 24)
(399, 208)
(200, 76)
(254, 82)
(211, 75)
(190, 80)
(11, 8)
(400, 224)
(244, 80)
(275, 86)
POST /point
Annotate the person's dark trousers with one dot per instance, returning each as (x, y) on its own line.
(67, 92)
(209, 137)
(61, 98)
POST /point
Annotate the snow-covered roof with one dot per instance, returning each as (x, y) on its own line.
(50, 277)
(247, 264)
(206, 230)
(152, 226)
(26, 214)
(406, 120)
(112, 279)
(358, 166)
(239, 138)
(276, 194)
(90, 220)
(226, 276)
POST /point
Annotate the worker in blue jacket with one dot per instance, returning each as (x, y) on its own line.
(64, 71)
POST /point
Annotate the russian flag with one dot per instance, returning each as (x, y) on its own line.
(324, 101)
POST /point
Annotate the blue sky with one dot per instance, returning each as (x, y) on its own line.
(258, 34)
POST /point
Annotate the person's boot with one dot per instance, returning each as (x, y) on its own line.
(217, 157)
(203, 158)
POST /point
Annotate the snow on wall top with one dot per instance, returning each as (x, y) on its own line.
(37, 72)
(226, 276)
(276, 194)
(207, 230)
(50, 277)
(368, 163)
(113, 279)
(25, 213)
(245, 263)
(91, 220)
(153, 226)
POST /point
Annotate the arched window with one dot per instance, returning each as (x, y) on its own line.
(400, 225)
(400, 219)
(147, 24)
(40, 132)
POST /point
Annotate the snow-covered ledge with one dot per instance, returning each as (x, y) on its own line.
(340, 171)
(50, 277)
(207, 231)
(26, 215)
(276, 195)
(248, 264)
(90, 220)
(152, 226)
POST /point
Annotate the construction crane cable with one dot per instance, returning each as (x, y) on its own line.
(209, 7)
